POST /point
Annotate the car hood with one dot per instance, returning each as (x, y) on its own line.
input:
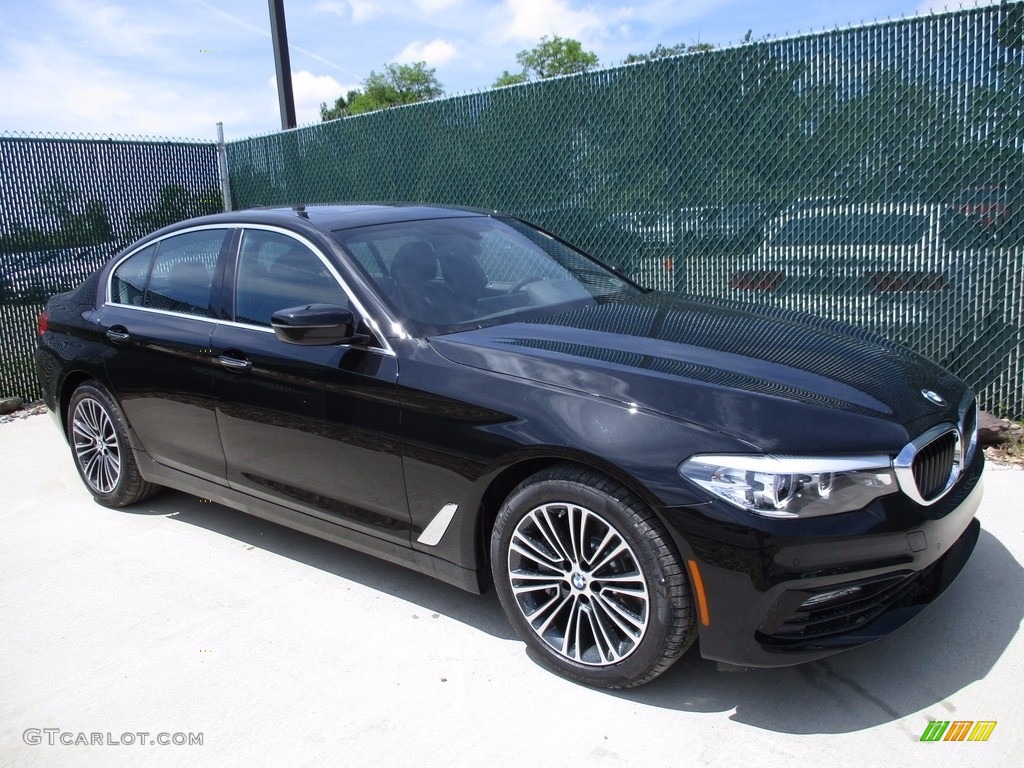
(779, 380)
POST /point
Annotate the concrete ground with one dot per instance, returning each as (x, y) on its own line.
(181, 616)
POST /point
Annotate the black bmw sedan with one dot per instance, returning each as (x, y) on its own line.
(469, 396)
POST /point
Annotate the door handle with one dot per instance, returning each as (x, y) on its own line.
(118, 334)
(234, 364)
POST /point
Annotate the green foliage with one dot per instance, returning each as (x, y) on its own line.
(80, 223)
(398, 84)
(340, 108)
(508, 78)
(176, 204)
(556, 56)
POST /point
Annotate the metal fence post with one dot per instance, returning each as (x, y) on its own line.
(222, 167)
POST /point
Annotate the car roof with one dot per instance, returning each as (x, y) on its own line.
(342, 216)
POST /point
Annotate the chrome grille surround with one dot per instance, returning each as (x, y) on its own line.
(928, 467)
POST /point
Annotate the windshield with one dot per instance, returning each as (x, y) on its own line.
(457, 273)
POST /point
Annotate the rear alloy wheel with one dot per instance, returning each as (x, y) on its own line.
(589, 578)
(99, 443)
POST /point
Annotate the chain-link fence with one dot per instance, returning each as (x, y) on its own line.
(67, 205)
(872, 174)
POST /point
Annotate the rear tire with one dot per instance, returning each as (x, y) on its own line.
(98, 434)
(590, 579)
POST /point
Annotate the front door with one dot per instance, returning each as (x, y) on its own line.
(314, 428)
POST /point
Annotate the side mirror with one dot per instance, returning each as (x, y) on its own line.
(316, 325)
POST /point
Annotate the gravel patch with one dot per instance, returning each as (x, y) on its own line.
(32, 409)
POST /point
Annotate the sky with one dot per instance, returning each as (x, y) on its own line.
(175, 68)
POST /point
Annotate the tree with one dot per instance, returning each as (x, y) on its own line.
(59, 201)
(80, 222)
(340, 108)
(398, 84)
(177, 204)
(508, 78)
(555, 56)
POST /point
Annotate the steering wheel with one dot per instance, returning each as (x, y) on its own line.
(520, 284)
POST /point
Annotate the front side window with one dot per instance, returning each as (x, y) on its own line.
(277, 272)
(182, 274)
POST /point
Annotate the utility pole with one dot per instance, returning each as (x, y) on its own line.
(282, 62)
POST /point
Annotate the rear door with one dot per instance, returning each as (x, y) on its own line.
(314, 428)
(158, 320)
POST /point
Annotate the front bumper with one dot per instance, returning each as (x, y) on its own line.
(775, 599)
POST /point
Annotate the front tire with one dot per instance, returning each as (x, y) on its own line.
(98, 435)
(590, 579)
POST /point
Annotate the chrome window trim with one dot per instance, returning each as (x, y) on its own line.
(217, 321)
(903, 464)
(110, 277)
(166, 312)
(384, 347)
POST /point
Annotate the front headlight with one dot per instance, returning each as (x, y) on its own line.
(793, 486)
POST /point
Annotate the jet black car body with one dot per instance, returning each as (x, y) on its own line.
(375, 442)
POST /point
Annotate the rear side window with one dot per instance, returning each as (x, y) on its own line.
(128, 285)
(182, 274)
(277, 272)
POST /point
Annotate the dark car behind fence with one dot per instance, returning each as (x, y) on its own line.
(693, 173)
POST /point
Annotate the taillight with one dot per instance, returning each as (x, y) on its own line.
(757, 280)
(42, 323)
(900, 282)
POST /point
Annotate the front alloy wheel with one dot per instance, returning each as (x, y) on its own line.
(590, 579)
(578, 584)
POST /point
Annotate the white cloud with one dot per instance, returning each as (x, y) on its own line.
(261, 30)
(310, 91)
(435, 53)
(51, 88)
(335, 7)
(358, 10)
(531, 20)
(364, 9)
(108, 27)
(433, 6)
